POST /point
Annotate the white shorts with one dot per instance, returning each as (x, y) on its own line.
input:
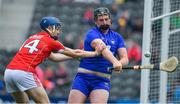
(18, 80)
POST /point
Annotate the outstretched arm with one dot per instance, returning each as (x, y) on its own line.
(58, 57)
(80, 53)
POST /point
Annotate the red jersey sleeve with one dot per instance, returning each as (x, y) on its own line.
(54, 45)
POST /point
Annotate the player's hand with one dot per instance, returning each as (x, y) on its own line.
(117, 66)
(78, 52)
(99, 48)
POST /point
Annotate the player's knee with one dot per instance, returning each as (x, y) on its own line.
(42, 100)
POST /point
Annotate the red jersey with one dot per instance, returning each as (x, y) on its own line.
(34, 50)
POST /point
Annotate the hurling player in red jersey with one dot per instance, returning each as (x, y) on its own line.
(20, 77)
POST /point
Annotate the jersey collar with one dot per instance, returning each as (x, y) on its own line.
(44, 33)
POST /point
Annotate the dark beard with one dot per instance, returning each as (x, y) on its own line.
(104, 27)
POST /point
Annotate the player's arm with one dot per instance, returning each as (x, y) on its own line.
(107, 53)
(79, 53)
(58, 57)
(123, 57)
(73, 53)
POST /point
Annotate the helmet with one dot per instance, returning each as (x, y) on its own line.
(101, 11)
(49, 21)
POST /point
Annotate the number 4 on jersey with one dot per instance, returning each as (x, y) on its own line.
(32, 46)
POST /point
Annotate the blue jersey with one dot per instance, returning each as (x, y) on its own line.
(113, 41)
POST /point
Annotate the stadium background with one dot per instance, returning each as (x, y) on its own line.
(20, 18)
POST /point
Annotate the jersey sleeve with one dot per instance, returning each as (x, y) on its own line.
(121, 41)
(56, 45)
(91, 36)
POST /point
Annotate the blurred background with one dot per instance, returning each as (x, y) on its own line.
(20, 18)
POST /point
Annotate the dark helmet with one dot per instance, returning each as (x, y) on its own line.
(49, 21)
(101, 11)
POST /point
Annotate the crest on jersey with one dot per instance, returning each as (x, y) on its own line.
(113, 42)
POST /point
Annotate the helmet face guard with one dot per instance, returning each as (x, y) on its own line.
(101, 11)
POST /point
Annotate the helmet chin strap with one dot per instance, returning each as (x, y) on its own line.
(53, 30)
(48, 30)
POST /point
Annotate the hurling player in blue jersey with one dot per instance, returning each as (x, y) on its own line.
(93, 79)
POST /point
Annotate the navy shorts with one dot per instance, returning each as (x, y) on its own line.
(88, 82)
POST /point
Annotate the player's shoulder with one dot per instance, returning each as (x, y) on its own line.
(92, 30)
(116, 33)
(43, 37)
